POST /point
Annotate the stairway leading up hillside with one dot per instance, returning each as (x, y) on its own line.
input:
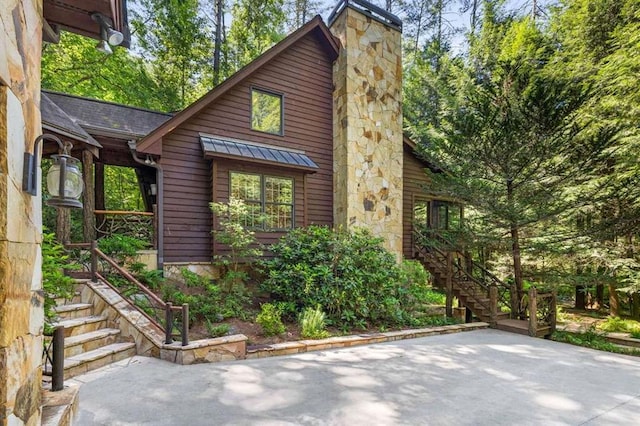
(481, 292)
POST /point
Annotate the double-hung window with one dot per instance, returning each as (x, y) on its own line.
(269, 200)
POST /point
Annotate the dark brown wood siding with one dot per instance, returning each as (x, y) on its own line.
(303, 74)
(414, 181)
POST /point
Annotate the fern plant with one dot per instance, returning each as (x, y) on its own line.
(312, 324)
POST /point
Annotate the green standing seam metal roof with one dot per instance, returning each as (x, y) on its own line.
(214, 146)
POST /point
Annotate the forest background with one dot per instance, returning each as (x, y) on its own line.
(531, 108)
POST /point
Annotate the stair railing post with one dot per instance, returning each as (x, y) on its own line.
(94, 261)
(57, 361)
(493, 302)
(185, 324)
(449, 286)
(533, 312)
(168, 319)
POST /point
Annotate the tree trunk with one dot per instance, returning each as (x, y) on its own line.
(600, 295)
(635, 306)
(515, 252)
(217, 43)
(581, 299)
(614, 301)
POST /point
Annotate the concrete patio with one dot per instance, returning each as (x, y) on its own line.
(484, 377)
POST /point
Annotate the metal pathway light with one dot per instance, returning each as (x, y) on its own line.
(64, 179)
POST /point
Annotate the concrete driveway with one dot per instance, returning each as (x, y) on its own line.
(484, 377)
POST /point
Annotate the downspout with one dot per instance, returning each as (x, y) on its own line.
(159, 200)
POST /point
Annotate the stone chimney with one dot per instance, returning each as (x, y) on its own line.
(367, 121)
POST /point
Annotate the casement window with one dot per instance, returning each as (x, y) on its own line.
(267, 111)
(269, 200)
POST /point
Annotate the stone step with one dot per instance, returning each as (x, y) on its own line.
(75, 310)
(92, 360)
(86, 342)
(76, 326)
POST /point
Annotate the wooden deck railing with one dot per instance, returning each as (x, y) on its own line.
(140, 225)
(541, 309)
(140, 293)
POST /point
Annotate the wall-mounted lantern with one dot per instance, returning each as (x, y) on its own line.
(64, 180)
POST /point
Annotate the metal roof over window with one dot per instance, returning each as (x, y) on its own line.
(214, 146)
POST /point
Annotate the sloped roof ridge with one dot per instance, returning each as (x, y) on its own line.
(101, 101)
(314, 24)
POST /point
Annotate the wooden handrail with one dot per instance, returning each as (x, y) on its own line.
(130, 278)
(122, 212)
(167, 307)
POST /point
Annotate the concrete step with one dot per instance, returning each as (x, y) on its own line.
(81, 325)
(86, 342)
(75, 310)
(92, 360)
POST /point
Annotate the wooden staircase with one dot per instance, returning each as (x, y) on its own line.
(90, 342)
(481, 292)
(468, 291)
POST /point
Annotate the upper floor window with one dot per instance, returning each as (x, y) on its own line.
(269, 200)
(266, 111)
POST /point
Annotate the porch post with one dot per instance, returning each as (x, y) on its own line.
(89, 198)
(99, 192)
(533, 311)
(63, 225)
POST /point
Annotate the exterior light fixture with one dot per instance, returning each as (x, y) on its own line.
(104, 47)
(64, 180)
(108, 36)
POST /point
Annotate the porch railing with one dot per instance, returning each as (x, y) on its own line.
(139, 225)
(541, 309)
(159, 312)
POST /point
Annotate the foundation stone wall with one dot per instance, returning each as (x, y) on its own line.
(21, 302)
(368, 127)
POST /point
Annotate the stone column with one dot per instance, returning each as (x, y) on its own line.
(368, 126)
(21, 302)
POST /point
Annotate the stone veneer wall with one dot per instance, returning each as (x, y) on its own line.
(21, 311)
(368, 127)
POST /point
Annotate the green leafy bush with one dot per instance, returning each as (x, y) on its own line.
(312, 324)
(54, 282)
(242, 245)
(349, 275)
(270, 319)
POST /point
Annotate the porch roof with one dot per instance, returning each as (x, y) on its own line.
(100, 118)
(214, 146)
(56, 120)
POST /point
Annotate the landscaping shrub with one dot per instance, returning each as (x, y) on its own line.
(312, 324)
(270, 319)
(617, 324)
(242, 245)
(54, 282)
(348, 274)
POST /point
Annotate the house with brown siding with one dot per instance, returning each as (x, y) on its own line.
(308, 133)
(330, 95)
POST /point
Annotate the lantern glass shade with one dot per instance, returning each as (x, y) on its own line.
(64, 192)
